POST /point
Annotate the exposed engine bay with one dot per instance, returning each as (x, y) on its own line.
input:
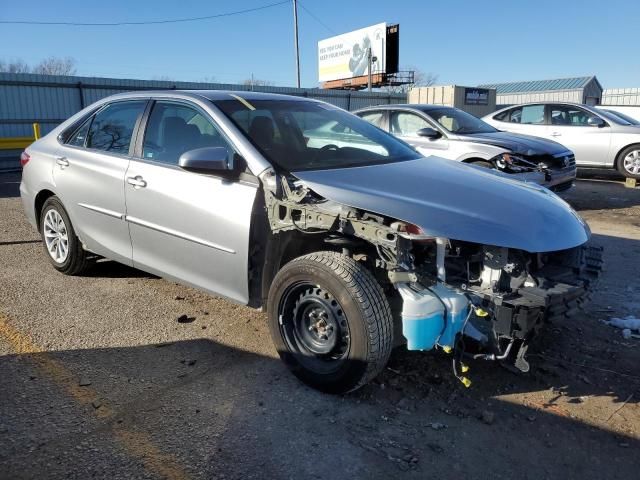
(446, 290)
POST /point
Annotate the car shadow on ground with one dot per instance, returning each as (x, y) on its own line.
(214, 411)
(103, 268)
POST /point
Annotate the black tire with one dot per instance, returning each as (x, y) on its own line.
(620, 161)
(353, 302)
(76, 260)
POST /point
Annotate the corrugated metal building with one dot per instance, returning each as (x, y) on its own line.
(585, 90)
(50, 99)
(621, 96)
(476, 101)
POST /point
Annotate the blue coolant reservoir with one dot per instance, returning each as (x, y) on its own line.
(457, 309)
(423, 316)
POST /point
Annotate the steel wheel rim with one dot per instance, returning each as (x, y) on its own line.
(56, 237)
(314, 327)
(631, 162)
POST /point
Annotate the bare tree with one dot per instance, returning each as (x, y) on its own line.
(56, 66)
(163, 78)
(420, 79)
(15, 66)
(256, 82)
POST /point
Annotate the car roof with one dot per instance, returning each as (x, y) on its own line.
(213, 95)
(424, 107)
(548, 102)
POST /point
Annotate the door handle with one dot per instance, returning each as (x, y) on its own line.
(62, 161)
(555, 134)
(137, 181)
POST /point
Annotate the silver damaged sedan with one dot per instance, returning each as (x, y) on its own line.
(597, 137)
(352, 243)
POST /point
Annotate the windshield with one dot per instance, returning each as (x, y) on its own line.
(620, 117)
(458, 121)
(305, 135)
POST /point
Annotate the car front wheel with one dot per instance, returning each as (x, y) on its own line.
(629, 162)
(63, 247)
(330, 321)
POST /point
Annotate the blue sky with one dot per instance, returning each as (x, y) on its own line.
(463, 42)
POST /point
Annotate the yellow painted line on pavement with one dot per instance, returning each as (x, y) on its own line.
(137, 443)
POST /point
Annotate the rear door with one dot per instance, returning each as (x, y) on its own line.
(569, 126)
(526, 119)
(89, 176)
(192, 227)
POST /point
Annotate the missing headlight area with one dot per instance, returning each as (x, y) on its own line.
(443, 292)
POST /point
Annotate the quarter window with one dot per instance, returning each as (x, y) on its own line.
(112, 127)
(527, 114)
(174, 128)
(403, 123)
(80, 136)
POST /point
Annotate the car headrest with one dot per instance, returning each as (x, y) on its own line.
(262, 131)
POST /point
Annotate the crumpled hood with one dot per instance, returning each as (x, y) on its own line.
(517, 143)
(456, 201)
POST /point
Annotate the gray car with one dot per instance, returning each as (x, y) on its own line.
(352, 242)
(454, 134)
(598, 138)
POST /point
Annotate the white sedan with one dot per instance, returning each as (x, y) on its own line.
(598, 138)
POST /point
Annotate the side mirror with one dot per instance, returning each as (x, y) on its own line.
(594, 121)
(206, 160)
(428, 132)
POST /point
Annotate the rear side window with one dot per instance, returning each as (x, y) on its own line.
(527, 114)
(112, 127)
(175, 128)
(374, 118)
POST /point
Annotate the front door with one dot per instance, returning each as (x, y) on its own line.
(569, 126)
(405, 125)
(192, 227)
(89, 176)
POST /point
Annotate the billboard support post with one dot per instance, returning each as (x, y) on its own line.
(295, 32)
(369, 62)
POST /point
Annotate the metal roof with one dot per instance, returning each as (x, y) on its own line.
(573, 83)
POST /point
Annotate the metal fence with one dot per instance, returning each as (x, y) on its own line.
(49, 99)
(621, 96)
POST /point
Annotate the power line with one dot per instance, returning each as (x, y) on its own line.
(316, 18)
(151, 22)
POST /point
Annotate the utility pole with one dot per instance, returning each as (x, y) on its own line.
(295, 31)
(369, 62)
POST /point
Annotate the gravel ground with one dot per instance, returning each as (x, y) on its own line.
(98, 379)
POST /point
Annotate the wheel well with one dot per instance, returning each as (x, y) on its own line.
(41, 197)
(473, 160)
(619, 154)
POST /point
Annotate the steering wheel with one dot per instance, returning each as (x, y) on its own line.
(326, 148)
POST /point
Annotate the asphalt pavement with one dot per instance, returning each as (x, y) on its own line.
(99, 379)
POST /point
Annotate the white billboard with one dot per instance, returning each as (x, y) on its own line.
(345, 56)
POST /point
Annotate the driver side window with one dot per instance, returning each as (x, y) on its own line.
(175, 128)
(407, 124)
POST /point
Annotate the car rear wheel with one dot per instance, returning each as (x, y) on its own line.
(63, 247)
(330, 321)
(629, 162)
